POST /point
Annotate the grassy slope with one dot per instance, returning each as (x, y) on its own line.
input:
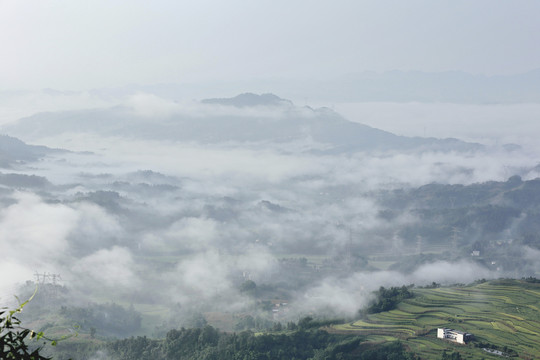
(502, 312)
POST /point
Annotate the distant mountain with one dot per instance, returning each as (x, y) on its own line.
(277, 121)
(13, 150)
(249, 99)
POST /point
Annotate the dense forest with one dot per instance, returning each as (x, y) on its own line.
(387, 299)
(208, 343)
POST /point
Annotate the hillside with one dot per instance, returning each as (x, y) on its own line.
(246, 118)
(13, 150)
(503, 313)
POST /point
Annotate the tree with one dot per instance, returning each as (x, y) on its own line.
(248, 286)
(13, 337)
(387, 299)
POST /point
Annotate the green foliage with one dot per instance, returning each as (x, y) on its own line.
(504, 349)
(387, 299)
(310, 323)
(304, 323)
(139, 348)
(248, 286)
(501, 314)
(209, 344)
(391, 351)
(453, 356)
(13, 337)
(499, 216)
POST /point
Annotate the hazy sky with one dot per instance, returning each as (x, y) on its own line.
(85, 44)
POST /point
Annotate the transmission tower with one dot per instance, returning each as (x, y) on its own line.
(50, 279)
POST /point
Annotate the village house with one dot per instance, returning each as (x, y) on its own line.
(454, 335)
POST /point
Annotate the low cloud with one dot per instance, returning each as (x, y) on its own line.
(186, 223)
(18, 104)
(489, 124)
(107, 269)
(345, 296)
(34, 232)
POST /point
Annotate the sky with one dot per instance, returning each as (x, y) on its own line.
(80, 45)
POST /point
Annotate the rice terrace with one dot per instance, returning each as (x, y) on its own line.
(503, 316)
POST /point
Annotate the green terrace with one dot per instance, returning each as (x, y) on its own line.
(503, 313)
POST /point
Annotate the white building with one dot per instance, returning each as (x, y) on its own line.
(453, 335)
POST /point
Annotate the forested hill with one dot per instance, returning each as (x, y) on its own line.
(13, 150)
(207, 343)
(498, 221)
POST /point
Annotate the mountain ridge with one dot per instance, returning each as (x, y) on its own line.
(13, 150)
(269, 121)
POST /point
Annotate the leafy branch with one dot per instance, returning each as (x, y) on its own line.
(14, 337)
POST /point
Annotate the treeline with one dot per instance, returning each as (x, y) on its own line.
(100, 320)
(387, 299)
(491, 213)
(507, 352)
(257, 323)
(208, 343)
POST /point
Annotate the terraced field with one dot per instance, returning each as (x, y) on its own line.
(505, 313)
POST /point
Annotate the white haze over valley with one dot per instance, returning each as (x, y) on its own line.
(194, 147)
(101, 250)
